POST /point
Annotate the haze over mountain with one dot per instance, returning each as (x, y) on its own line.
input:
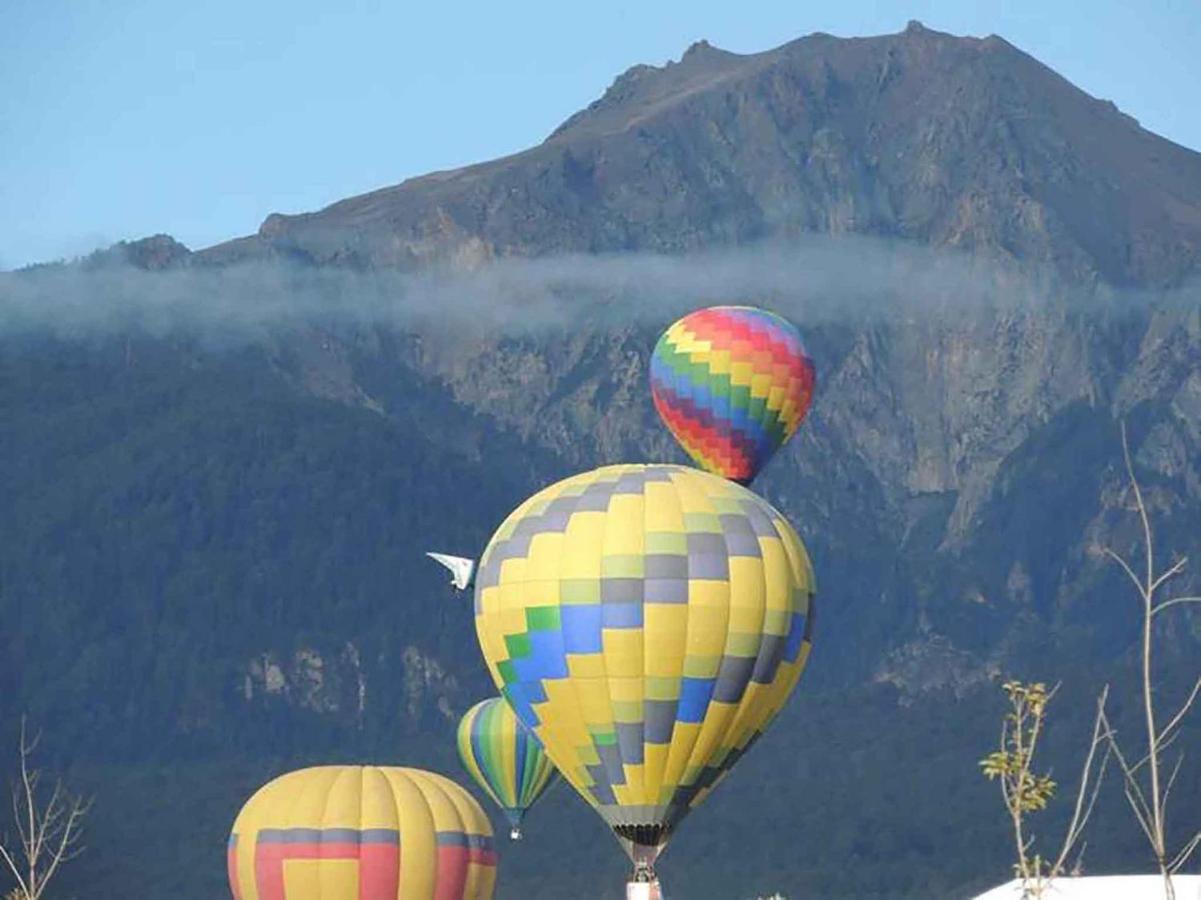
(210, 552)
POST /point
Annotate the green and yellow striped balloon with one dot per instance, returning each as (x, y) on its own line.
(504, 758)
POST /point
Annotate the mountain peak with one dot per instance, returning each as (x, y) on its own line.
(924, 136)
(642, 87)
(153, 253)
(703, 48)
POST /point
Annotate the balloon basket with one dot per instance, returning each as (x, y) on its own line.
(514, 833)
(642, 845)
(644, 883)
(644, 890)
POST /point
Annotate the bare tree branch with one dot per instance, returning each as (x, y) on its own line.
(1150, 806)
(1147, 794)
(1181, 859)
(1131, 787)
(1167, 791)
(14, 869)
(65, 849)
(1178, 601)
(49, 826)
(17, 819)
(1140, 505)
(30, 781)
(1083, 810)
(1163, 745)
(1176, 569)
(1148, 593)
(1179, 717)
(1126, 567)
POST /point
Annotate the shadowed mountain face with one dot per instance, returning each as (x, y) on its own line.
(210, 550)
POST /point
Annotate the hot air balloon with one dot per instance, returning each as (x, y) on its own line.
(504, 758)
(647, 622)
(732, 383)
(336, 833)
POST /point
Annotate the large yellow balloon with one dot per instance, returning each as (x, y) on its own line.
(343, 832)
(647, 623)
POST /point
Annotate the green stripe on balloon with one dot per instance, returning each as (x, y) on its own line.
(489, 737)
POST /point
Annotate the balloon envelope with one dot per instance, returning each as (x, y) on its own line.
(336, 833)
(732, 383)
(505, 758)
(647, 623)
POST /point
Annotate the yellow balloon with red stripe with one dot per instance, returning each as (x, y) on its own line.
(361, 833)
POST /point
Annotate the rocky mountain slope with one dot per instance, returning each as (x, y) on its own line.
(210, 545)
(955, 142)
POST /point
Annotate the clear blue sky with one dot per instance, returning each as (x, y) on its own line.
(121, 118)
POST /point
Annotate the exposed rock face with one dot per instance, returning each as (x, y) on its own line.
(310, 681)
(160, 251)
(954, 142)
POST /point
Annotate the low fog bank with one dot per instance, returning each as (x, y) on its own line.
(820, 279)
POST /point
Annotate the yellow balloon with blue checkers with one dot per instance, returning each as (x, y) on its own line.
(646, 622)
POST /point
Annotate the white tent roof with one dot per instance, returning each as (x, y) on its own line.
(1109, 887)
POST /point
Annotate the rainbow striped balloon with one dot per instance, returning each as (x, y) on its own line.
(504, 758)
(732, 383)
